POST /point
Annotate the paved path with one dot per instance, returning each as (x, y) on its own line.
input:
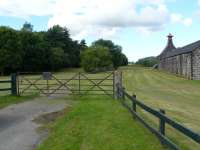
(17, 129)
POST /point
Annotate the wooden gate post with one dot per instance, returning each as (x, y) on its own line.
(117, 83)
(14, 84)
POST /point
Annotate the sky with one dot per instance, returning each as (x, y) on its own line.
(139, 26)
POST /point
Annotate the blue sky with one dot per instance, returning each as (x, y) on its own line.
(139, 26)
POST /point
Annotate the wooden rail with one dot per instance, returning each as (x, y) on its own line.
(5, 89)
(13, 84)
(163, 119)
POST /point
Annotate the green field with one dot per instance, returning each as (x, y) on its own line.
(180, 98)
(99, 123)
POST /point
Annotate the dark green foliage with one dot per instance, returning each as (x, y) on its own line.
(59, 37)
(10, 49)
(27, 27)
(148, 61)
(26, 50)
(33, 51)
(57, 58)
(96, 58)
(118, 58)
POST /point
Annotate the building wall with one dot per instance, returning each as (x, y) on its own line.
(186, 65)
(196, 64)
(182, 65)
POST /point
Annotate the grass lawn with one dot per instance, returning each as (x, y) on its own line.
(99, 123)
(8, 100)
(179, 97)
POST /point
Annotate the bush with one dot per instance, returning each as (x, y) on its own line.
(96, 58)
(148, 61)
(118, 58)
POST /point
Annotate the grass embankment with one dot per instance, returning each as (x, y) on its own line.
(8, 100)
(179, 97)
(99, 123)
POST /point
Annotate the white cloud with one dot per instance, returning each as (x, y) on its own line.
(178, 18)
(187, 22)
(25, 8)
(100, 18)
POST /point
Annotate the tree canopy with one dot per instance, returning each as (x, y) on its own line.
(148, 61)
(96, 58)
(28, 50)
(118, 58)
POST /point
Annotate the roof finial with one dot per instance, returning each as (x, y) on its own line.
(170, 36)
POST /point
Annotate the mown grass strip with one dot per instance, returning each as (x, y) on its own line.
(179, 97)
(99, 123)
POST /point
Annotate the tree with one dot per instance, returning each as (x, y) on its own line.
(34, 51)
(124, 60)
(59, 37)
(148, 61)
(28, 27)
(10, 49)
(83, 46)
(118, 58)
(3, 60)
(96, 58)
(57, 58)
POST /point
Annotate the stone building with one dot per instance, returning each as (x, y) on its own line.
(184, 61)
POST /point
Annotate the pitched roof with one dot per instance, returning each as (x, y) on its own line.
(182, 50)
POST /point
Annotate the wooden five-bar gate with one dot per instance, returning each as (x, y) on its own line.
(47, 83)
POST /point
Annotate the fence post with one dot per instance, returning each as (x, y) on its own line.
(133, 103)
(162, 123)
(123, 95)
(117, 84)
(14, 84)
(79, 83)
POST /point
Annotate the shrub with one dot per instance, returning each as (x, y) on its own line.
(96, 58)
(148, 61)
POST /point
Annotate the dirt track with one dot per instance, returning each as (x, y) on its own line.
(18, 131)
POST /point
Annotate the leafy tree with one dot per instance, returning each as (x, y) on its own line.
(26, 50)
(33, 51)
(83, 45)
(118, 58)
(59, 37)
(3, 60)
(148, 61)
(124, 60)
(96, 58)
(27, 27)
(10, 49)
(57, 58)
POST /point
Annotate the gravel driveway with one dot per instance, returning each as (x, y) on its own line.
(18, 131)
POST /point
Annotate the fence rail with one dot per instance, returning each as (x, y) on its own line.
(11, 83)
(163, 119)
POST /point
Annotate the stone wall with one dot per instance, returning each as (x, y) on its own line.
(196, 64)
(181, 64)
